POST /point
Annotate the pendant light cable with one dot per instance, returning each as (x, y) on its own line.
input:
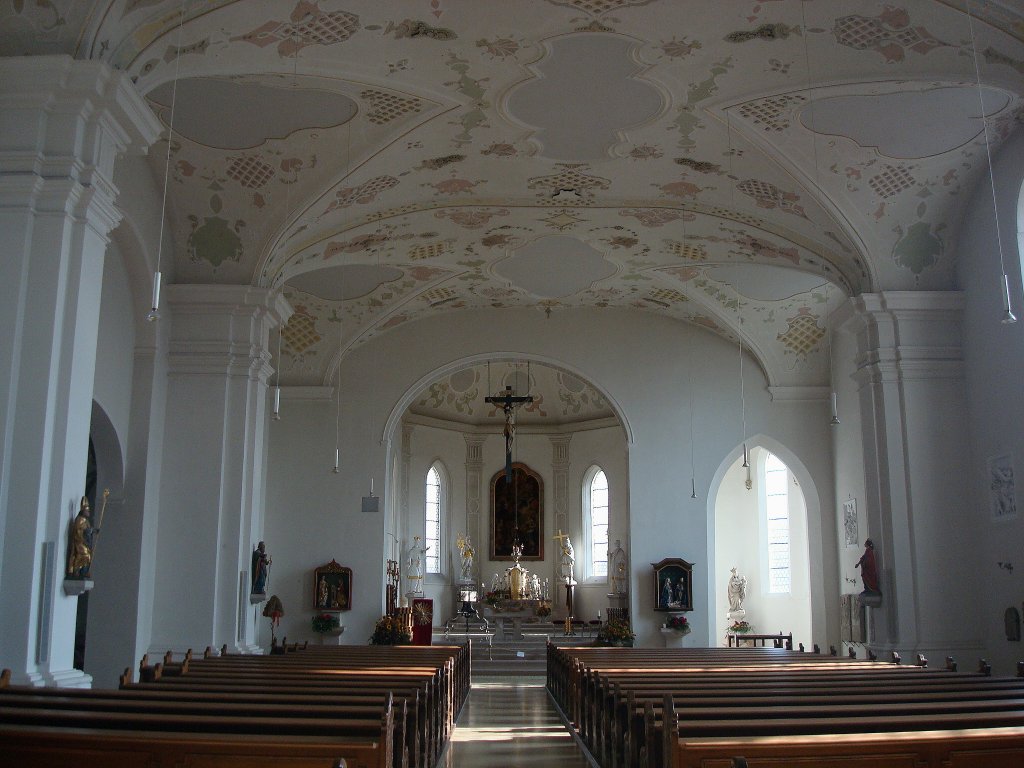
(1008, 316)
(154, 312)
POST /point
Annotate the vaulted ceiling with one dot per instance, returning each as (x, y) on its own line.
(743, 165)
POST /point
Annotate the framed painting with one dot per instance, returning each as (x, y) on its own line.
(517, 508)
(673, 585)
(332, 587)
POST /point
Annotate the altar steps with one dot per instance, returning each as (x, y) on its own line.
(524, 656)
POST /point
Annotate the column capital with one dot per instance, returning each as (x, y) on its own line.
(60, 117)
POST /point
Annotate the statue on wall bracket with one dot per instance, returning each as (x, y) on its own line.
(82, 540)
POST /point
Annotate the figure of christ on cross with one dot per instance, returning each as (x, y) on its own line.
(509, 402)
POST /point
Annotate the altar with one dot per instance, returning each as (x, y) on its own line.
(510, 615)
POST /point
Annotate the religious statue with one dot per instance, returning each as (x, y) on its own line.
(737, 592)
(535, 588)
(414, 566)
(869, 568)
(617, 569)
(81, 540)
(666, 593)
(568, 559)
(261, 562)
(323, 599)
(466, 552)
(509, 402)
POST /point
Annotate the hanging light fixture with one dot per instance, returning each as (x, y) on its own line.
(276, 413)
(1008, 316)
(748, 483)
(834, 398)
(154, 312)
(337, 427)
(693, 480)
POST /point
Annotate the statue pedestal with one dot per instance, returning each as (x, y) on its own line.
(76, 587)
(672, 638)
(332, 637)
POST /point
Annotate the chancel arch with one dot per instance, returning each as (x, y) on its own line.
(569, 433)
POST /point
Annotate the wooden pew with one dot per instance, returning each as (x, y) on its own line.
(690, 707)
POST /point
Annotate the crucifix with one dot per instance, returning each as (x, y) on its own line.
(509, 402)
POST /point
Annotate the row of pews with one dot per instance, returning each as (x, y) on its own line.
(772, 707)
(310, 707)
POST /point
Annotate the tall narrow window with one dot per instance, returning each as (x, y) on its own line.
(433, 521)
(776, 484)
(595, 524)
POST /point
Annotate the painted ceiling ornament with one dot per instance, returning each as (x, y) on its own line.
(573, 177)
(300, 332)
(215, 241)
(803, 333)
(889, 33)
(363, 194)
(307, 25)
(412, 28)
(768, 32)
(767, 195)
(471, 218)
(656, 217)
(385, 107)
(599, 7)
(919, 248)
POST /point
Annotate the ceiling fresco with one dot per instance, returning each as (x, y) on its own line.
(741, 165)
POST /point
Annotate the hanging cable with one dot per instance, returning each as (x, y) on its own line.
(276, 414)
(833, 398)
(743, 408)
(154, 312)
(1008, 316)
(689, 365)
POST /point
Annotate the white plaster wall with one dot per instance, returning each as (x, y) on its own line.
(994, 357)
(637, 360)
(112, 387)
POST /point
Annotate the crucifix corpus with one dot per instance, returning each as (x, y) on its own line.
(509, 402)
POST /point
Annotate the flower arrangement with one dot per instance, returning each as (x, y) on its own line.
(390, 630)
(325, 622)
(741, 627)
(615, 632)
(679, 624)
(492, 599)
(544, 609)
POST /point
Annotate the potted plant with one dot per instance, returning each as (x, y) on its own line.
(616, 633)
(679, 624)
(741, 628)
(325, 623)
(389, 630)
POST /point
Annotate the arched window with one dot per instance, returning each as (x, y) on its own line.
(434, 515)
(595, 525)
(776, 493)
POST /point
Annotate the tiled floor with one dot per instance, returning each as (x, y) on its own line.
(511, 723)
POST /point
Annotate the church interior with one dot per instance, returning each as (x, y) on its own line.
(363, 305)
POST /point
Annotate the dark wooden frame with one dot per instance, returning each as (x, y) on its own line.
(528, 491)
(673, 569)
(339, 583)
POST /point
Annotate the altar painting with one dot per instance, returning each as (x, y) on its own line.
(332, 587)
(519, 503)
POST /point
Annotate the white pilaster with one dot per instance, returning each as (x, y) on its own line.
(474, 491)
(62, 125)
(211, 500)
(914, 433)
(560, 494)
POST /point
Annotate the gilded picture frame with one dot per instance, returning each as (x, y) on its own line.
(519, 504)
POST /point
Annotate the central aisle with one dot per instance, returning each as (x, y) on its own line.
(512, 723)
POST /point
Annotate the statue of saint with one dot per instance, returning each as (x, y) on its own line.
(466, 552)
(666, 593)
(260, 569)
(868, 567)
(737, 591)
(414, 566)
(80, 544)
(617, 569)
(568, 560)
